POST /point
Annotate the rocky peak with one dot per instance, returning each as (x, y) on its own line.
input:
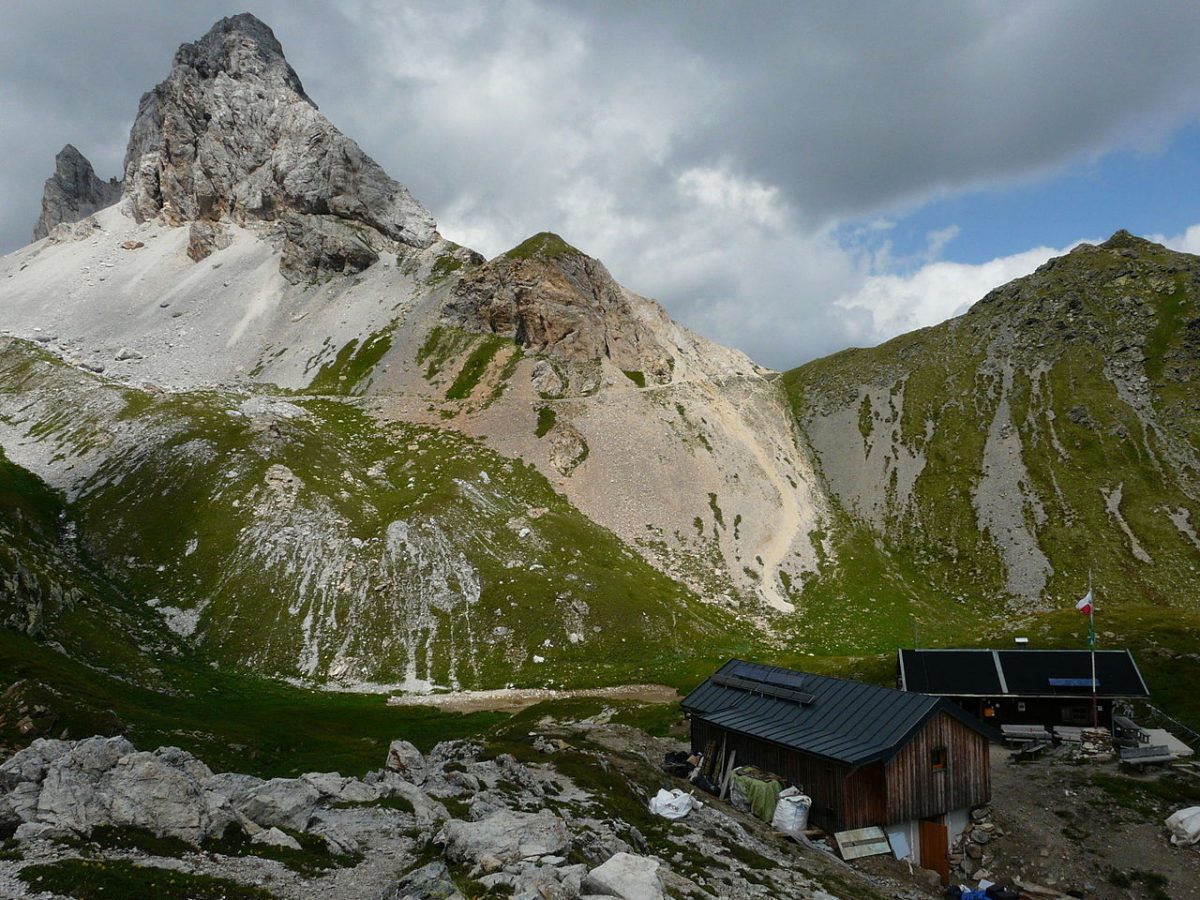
(231, 135)
(73, 192)
(552, 298)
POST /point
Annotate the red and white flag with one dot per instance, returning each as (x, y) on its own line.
(1085, 605)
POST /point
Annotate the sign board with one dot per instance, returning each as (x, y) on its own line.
(860, 842)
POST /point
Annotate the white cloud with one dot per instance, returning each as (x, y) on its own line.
(886, 305)
(742, 163)
(1187, 242)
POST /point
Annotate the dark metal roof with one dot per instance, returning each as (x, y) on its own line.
(847, 721)
(1020, 673)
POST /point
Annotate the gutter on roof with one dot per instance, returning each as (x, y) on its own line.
(1058, 696)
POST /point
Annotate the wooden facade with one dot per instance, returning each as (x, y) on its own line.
(900, 789)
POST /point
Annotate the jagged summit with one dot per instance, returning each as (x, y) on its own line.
(231, 135)
(241, 46)
(73, 192)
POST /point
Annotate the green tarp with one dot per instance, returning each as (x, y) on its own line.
(760, 794)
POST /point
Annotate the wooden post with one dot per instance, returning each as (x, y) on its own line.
(728, 775)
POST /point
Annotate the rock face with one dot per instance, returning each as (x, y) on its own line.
(73, 192)
(553, 299)
(74, 786)
(231, 134)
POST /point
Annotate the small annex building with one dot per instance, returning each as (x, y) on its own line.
(1025, 687)
(912, 764)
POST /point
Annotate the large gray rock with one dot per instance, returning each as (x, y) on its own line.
(406, 760)
(31, 763)
(163, 792)
(231, 135)
(73, 192)
(430, 882)
(286, 802)
(331, 785)
(626, 876)
(71, 796)
(273, 837)
(506, 835)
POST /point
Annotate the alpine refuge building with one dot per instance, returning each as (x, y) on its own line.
(1025, 687)
(909, 763)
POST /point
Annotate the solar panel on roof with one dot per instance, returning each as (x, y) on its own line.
(779, 677)
(758, 687)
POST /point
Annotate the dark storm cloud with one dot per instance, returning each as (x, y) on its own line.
(705, 151)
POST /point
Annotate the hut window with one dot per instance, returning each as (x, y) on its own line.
(937, 759)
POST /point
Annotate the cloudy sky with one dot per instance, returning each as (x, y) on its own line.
(787, 178)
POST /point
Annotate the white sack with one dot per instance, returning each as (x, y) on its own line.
(674, 804)
(791, 812)
(1185, 826)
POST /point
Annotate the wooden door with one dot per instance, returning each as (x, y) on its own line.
(935, 848)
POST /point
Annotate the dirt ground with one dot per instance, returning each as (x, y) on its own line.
(1091, 830)
(516, 699)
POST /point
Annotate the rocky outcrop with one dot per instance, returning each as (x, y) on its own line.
(551, 298)
(73, 192)
(231, 134)
(71, 787)
(530, 830)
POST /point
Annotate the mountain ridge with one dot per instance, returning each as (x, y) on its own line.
(226, 331)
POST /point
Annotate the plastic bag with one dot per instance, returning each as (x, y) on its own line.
(1184, 826)
(674, 804)
(791, 812)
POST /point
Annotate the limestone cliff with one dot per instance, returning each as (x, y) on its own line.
(231, 135)
(73, 192)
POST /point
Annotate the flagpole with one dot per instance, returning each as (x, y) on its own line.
(1092, 644)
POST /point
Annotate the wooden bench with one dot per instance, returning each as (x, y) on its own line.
(1015, 734)
(1070, 734)
(1145, 756)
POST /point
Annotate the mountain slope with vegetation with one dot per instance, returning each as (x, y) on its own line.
(997, 461)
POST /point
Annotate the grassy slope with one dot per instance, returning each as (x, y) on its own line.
(930, 567)
(495, 566)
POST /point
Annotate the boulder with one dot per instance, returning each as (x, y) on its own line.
(205, 239)
(163, 793)
(567, 449)
(338, 840)
(287, 802)
(430, 882)
(626, 876)
(406, 760)
(232, 787)
(31, 763)
(273, 837)
(332, 786)
(506, 835)
(71, 797)
(546, 380)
